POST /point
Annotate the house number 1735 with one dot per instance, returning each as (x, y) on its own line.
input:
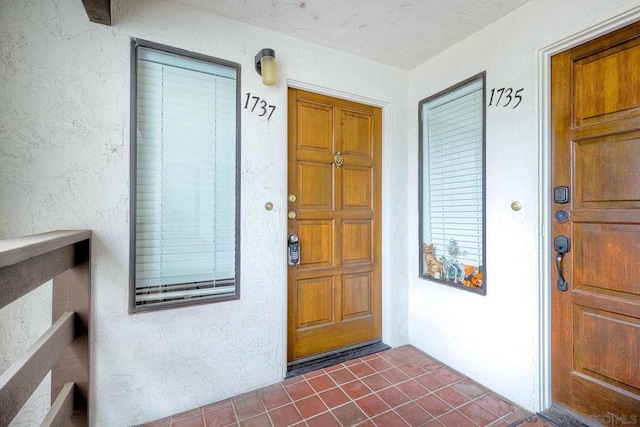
(257, 105)
(507, 95)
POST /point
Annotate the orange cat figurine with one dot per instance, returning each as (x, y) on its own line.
(434, 267)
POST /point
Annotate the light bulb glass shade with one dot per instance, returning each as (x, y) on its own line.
(268, 67)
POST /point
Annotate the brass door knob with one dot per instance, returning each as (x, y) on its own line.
(291, 215)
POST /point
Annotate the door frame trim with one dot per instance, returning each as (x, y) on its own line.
(386, 195)
(544, 179)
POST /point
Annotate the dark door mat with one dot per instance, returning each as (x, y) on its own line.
(300, 368)
(534, 420)
(561, 418)
(552, 417)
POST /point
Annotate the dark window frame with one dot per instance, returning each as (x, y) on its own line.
(133, 307)
(421, 187)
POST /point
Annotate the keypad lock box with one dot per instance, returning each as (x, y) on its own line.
(293, 249)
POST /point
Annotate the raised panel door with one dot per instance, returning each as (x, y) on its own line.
(335, 290)
(596, 152)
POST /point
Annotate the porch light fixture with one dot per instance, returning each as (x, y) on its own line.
(266, 66)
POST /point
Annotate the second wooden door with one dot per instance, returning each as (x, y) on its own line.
(596, 228)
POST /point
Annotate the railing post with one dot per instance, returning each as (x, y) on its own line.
(72, 292)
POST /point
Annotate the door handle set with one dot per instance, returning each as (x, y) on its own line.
(561, 244)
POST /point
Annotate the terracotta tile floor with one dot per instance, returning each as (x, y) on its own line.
(396, 387)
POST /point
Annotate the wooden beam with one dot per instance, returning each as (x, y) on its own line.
(21, 278)
(99, 11)
(19, 382)
(72, 292)
(13, 251)
(26, 263)
(61, 409)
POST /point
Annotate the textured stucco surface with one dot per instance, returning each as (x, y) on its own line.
(400, 33)
(495, 339)
(64, 164)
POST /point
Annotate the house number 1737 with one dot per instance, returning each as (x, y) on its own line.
(257, 105)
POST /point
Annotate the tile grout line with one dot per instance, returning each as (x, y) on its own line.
(392, 385)
(426, 364)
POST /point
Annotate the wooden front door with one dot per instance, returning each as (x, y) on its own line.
(335, 195)
(596, 154)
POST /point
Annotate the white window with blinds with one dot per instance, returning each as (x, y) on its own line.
(185, 150)
(452, 186)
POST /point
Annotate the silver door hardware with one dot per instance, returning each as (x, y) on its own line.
(293, 249)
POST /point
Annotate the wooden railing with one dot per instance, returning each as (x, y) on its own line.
(25, 264)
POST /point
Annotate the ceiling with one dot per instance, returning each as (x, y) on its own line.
(401, 33)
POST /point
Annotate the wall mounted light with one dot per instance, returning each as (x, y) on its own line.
(266, 66)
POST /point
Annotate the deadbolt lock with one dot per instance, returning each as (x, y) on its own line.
(292, 198)
(291, 215)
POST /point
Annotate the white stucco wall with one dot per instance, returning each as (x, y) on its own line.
(64, 164)
(495, 339)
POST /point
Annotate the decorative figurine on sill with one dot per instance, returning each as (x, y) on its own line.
(473, 276)
(452, 269)
(434, 267)
(454, 249)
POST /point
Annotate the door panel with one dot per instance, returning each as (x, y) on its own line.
(356, 242)
(315, 185)
(356, 188)
(608, 171)
(334, 292)
(320, 232)
(605, 90)
(356, 296)
(316, 132)
(617, 242)
(319, 290)
(596, 152)
(356, 132)
(619, 332)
